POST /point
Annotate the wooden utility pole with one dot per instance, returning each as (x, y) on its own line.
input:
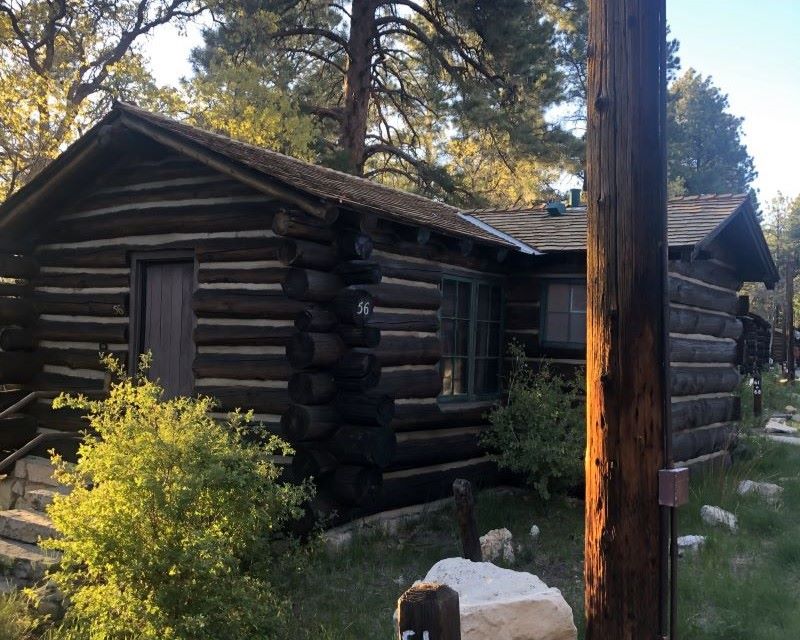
(627, 358)
(790, 363)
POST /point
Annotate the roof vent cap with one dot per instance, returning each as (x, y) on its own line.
(555, 208)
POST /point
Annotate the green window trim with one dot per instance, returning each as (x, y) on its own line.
(569, 343)
(491, 327)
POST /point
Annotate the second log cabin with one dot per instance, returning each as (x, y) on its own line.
(364, 324)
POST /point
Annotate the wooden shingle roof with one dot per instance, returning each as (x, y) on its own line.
(690, 220)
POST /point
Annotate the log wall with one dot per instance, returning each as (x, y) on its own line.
(704, 335)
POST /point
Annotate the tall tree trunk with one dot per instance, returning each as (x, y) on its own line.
(357, 84)
(627, 392)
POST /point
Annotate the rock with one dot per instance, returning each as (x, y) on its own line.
(785, 439)
(49, 601)
(26, 526)
(790, 409)
(40, 471)
(778, 425)
(502, 604)
(796, 417)
(690, 544)
(534, 533)
(718, 517)
(770, 492)
(497, 543)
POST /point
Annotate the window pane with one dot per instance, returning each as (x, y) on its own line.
(557, 327)
(464, 299)
(486, 376)
(460, 373)
(462, 338)
(448, 337)
(558, 297)
(448, 298)
(579, 297)
(577, 328)
(482, 339)
(447, 377)
(494, 340)
(484, 302)
(497, 306)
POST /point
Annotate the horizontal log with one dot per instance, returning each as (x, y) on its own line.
(423, 321)
(239, 249)
(363, 337)
(82, 280)
(522, 317)
(16, 339)
(68, 420)
(364, 409)
(16, 311)
(698, 295)
(269, 275)
(16, 289)
(359, 272)
(312, 388)
(353, 245)
(682, 320)
(700, 350)
(423, 448)
(527, 289)
(688, 381)
(244, 303)
(16, 431)
(311, 285)
(396, 267)
(81, 304)
(241, 366)
(369, 446)
(82, 331)
(315, 318)
(410, 382)
(404, 296)
(707, 271)
(242, 335)
(692, 443)
(399, 350)
(353, 306)
(10, 396)
(306, 350)
(303, 422)
(357, 485)
(357, 371)
(303, 227)
(416, 415)
(257, 399)
(78, 358)
(18, 367)
(689, 414)
(17, 266)
(415, 486)
(310, 462)
(67, 384)
(301, 253)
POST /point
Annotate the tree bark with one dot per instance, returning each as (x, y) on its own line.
(357, 84)
(626, 345)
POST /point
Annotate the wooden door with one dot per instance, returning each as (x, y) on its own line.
(165, 321)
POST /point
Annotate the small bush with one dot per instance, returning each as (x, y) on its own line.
(540, 433)
(172, 529)
(16, 620)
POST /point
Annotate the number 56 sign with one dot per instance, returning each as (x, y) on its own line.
(429, 611)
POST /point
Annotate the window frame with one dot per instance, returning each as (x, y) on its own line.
(561, 344)
(472, 359)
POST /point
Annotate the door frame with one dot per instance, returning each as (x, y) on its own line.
(138, 261)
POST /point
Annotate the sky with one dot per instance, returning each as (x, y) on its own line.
(751, 48)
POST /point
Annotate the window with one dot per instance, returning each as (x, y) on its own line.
(471, 331)
(565, 314)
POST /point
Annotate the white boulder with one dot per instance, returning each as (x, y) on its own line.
(778, 425)
(534, 532)
(718, 517)
(766, 490)
(790, 409)
(502, 604)
(795, 417)
(690, 544)
(496, 544)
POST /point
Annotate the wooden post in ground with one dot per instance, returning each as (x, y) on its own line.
(467, 522)
(757, 397)
(429, 611)
(627, 360)
(790, 360)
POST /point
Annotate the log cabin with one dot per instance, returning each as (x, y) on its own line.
(364, 324)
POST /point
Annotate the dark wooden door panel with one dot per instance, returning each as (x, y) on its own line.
(167, 323)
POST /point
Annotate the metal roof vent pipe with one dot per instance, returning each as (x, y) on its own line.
(555, 208)
(574, 198)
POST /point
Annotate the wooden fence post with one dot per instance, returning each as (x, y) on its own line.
(467, 523)
(429, 611)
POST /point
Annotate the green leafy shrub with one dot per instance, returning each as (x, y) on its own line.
(173, 526)
(540, 433)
